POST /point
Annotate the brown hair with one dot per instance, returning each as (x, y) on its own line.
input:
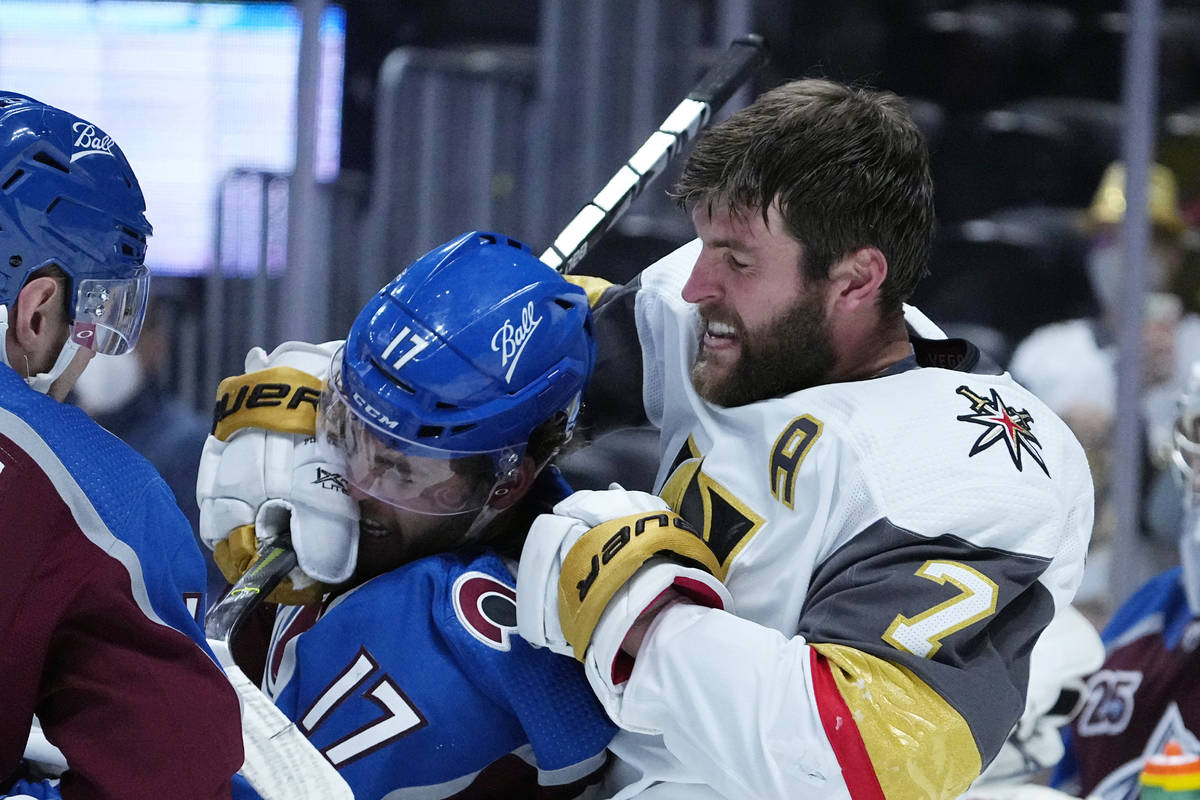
(847, 166)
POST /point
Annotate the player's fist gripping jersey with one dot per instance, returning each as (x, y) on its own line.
(893, 547)
(418, 679)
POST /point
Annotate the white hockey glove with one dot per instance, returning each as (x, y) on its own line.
(599, 566)
(261, 475)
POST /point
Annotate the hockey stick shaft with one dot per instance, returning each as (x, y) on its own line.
(275, 560)
(743, 59)
(281, 763)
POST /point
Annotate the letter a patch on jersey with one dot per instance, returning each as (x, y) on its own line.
(1003, 423)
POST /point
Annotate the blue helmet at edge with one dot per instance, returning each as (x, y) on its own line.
(470, 348)
(67, 197)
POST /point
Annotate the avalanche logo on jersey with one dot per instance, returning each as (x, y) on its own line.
(1122, 783)
(1004, 424)
(486, 608)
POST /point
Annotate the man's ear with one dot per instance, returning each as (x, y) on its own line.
(37, 315)
(858, 277)
(513, 489)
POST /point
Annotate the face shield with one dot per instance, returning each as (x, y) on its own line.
(399, 471)
(1185, 462)
(108, 312)
(1185, 454)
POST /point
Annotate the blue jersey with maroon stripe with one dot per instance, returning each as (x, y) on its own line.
(101, 635)
(1147, 692)
(418, 678)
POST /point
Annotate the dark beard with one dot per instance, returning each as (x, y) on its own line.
(792, 353)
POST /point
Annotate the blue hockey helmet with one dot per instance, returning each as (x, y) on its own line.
(449, 369)
(68, 197)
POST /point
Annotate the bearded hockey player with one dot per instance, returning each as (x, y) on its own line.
(863, 526)
(437, 425)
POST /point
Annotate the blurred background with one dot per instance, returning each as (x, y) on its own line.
(296, 155)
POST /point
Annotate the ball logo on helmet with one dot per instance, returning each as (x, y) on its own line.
(91, 140)
(510, 341)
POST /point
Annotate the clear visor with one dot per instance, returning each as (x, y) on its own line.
(403, 473)
(1185, 457)
(1189, 558)
(109, 312)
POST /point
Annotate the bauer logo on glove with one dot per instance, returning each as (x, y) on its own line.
(608, 555)
(257, 400)
(631, 528)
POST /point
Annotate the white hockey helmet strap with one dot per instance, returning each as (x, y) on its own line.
(43, 380)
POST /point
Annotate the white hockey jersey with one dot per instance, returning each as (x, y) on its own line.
(893, 547)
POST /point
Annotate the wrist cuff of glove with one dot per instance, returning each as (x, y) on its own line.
(604, 559)
(607, 666)
(235, 553)
(656, 587)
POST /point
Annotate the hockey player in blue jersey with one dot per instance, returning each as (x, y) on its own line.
(438, 421)
(102, 630)
(1147, 692)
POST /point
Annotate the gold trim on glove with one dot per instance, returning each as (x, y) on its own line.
(237, 553)
(608, 555)
(282, 399)
(592, 286)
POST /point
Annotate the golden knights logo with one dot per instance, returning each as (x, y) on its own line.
(1003, 423)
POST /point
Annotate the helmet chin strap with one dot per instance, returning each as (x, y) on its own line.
(43, 380)
(478, 529)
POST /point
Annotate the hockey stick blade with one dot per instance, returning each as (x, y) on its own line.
(745, 57)
(281, 763)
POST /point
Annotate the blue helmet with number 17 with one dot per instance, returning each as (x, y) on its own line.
(69, 198)
(450, 368)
